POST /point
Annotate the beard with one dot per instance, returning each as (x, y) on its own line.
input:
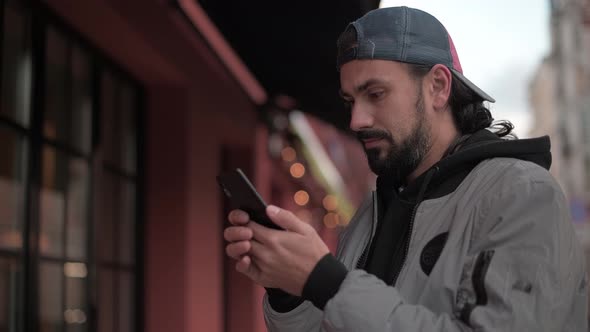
(401, 157)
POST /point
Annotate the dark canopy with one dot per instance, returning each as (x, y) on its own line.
(290, 46)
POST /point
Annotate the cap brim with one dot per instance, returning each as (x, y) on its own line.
(472, 86)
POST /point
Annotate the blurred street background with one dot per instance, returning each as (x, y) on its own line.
(116, 116)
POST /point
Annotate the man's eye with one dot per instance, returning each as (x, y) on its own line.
(376, 94)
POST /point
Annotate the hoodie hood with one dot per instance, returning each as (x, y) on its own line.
(484, 145)
(444, 176)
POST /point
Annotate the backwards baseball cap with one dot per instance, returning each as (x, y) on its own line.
(402, 34)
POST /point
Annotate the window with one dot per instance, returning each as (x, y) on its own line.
(116, 253)
(15, 98)
(69, 182)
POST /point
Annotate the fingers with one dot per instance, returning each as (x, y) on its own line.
(238, 249)
(286, 219)
(238, 218)
(240, 237)
(243, 264)
(263, 234)
(282, 218)
(237, 233)
(247, 267)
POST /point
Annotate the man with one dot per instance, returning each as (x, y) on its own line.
(467, 230)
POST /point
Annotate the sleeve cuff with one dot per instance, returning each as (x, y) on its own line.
(324, 281)
(281, 301)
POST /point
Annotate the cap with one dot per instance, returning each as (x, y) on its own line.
(402, 34)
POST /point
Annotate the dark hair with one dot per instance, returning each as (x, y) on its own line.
(469, 112)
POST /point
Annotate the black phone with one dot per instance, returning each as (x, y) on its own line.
(242, 195)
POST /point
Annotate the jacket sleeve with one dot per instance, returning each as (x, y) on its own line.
(524, 272)
(305, 317)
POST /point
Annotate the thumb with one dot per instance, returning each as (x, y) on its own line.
(286, 219)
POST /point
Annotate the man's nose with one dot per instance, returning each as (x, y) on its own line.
(360, 119)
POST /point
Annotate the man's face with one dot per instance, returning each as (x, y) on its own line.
(387, 114)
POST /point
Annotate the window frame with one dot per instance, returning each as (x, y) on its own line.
(40, 17)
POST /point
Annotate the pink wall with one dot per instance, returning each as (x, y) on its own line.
(209, 132)
(166, 211)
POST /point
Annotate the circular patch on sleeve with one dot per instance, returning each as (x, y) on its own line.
(432, 251)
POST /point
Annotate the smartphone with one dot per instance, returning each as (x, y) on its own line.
(242, 195)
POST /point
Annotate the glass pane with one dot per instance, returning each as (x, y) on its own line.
(117, 220)
(12, 168)
(128, 114)
(81, 100)
(126, 302)
(10, 277)
(50, 297)
(16, 64)
(106, 308)
(110, 123)
(76, 311)
(52, 198)
(77, 218)
(106, 218)
(64, 194)
(127, 223)
(68, 93)
(56, 80)
(119, 109)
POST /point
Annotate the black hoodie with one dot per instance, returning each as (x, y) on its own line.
(386, 253)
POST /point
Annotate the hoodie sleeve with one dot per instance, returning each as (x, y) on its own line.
(525, 272)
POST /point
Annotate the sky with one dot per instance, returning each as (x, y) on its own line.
(500, 45)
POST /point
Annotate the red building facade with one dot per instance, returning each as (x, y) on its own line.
(115, 118)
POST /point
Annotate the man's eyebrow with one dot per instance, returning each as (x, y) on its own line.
(362, 87)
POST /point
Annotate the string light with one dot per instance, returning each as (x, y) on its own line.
(330, 203)
(288, 154)
(301, 197)
(331, 220)
(297, 170)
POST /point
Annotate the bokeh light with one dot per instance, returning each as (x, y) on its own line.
(331, 220)
(297, 170)
(288, 154)
(301, 197)
(330, 203)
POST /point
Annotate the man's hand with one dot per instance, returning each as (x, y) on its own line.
(239, 237)
(275, 258)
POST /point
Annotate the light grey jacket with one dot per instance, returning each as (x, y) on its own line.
(530, 276)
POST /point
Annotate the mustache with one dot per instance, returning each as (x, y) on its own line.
(372, 134)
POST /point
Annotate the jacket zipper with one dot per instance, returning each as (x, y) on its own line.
(360, 264)
(406, 247)
(411, 226)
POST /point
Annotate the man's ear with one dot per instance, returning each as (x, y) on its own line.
(440, 86)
